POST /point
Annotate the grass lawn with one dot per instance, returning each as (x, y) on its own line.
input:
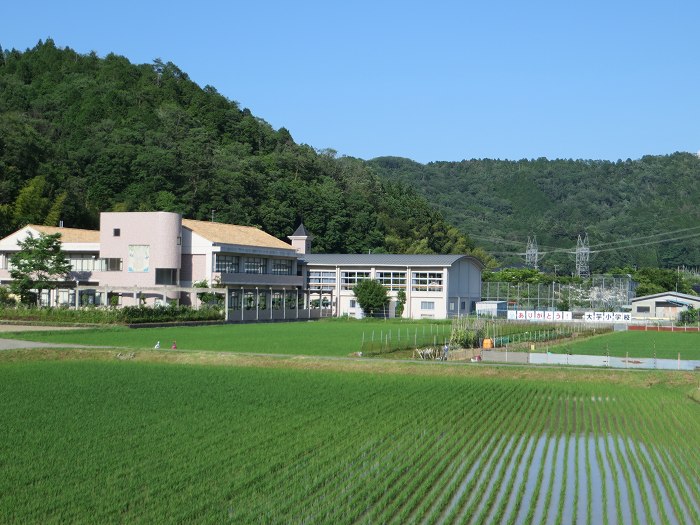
(326, 337)
(666, 345)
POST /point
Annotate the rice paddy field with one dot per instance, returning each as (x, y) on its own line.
(101, 436)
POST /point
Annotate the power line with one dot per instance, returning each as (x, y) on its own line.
(606, 247)
(646, 236)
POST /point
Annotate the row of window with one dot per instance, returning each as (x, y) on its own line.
(424, 305)
(88, 263)
(233, 264)
(420, 281)
(250, 300)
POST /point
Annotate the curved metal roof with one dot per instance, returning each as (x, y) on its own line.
(385, 259)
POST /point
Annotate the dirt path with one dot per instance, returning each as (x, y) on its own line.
(14, 344)
(33, 328)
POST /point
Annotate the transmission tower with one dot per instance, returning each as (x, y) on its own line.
(583, 252)
(532, 255)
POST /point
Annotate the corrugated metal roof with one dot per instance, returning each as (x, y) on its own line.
(667, 294)
(384, 259)
(234, 234)
(73, 235)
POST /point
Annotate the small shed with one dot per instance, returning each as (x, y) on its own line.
(665, 306)
(492, 309)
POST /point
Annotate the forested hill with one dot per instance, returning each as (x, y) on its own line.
(625, 206)
(80, 134)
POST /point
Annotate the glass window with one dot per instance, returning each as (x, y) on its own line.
(291, 301)
(226, 263)
(392, 280)
(234, 300)
(111, 265)
(166, 276)
(643, 309)
(255, 265)
(348, 280)
(116, 232)
(426, 281)
(281, 266)
(427, 305)
(321, 280)
(81, 262)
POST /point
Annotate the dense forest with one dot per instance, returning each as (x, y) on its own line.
(626, 207)
(80, 134)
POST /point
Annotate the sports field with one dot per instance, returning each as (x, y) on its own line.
(102, 436)
(665, 345)
(328, 337)
(345, 337)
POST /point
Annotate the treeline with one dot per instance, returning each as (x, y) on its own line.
(626, 207)
(80, 134)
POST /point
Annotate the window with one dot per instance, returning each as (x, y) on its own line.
(255, 265)
(225, 263)
(281, 267)
(643, 309)
(81, 262)
(116, 232)
(348, 280)
(321, 280)
(426, 281)
(392, 280)
(291, 302)
(353, 303)
(110, 265)
(427, 305)
(166, 276)
(234, 300)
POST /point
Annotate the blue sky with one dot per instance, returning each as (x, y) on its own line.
(440, 80)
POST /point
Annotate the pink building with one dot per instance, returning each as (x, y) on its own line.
(158, 257)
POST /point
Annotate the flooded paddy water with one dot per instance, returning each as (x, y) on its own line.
(579, 479)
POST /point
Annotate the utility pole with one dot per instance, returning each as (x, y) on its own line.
(583, 252)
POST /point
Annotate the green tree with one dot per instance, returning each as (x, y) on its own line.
(39, 265)
(400, 302)
(209, 298)
(372, 296)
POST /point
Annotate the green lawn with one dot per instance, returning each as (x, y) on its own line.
(130, 442)
(327, 337)
(666, 345)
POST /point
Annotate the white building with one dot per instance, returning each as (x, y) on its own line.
(665, 306)
(436, 286)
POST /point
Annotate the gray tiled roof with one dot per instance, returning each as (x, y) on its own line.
(301, 231)
(383, 259)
